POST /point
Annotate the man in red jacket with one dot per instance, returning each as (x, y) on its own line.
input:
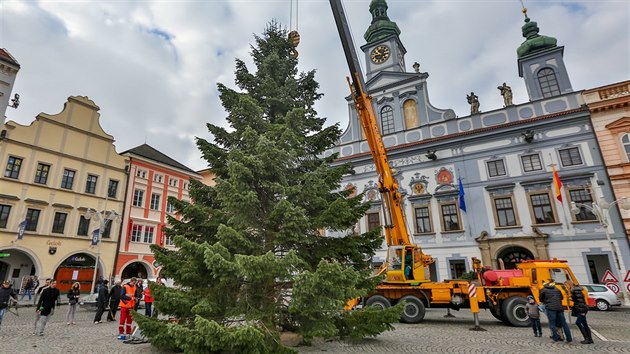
(148, 301)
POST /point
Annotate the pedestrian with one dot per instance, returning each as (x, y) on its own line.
(28, 289)
(148, 301)
(46, 305)
(534, 315)
(114, 300)
(127, 303)
(552, 298)
(101, 301)
(7, 294)
(139, 293)
(74, 294)
(579, 310)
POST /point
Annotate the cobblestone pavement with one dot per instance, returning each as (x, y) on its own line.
(435, 335)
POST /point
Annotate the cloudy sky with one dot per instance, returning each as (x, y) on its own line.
(152, 65)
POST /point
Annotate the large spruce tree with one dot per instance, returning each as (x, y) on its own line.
(251, 259)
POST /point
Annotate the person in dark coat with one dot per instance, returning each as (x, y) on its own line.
(114, 299)
(139, 294)
(552, 298)
(580, 309)
(7, 295)
(46, 304)
(101, 301)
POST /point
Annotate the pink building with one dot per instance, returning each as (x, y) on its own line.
(153, 178)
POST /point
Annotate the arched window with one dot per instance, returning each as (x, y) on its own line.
(625, 141)
(548, 83)
(387, 120)
(411, 114)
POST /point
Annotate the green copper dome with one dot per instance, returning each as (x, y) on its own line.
(534, 42)
(381, 26)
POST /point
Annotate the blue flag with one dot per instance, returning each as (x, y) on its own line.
(95, 235)
(462, 202)
(21, 228)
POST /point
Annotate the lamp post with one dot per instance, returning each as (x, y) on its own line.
(103, 218)
(601, 210)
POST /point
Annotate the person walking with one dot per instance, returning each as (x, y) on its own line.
(28, 289)
(148, 301)
(579, 310)
(38, 294)
(114, 300)
(552, 298)
(534, 315)
(101, 301)
(46, 305)
(127, 303)
(74, 295)
(139, 293)
(7, 294)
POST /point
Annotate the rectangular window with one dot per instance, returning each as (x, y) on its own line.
(59, 224)
(582, 198)
(374, 221)
(155, 201)
(32, 218)
(4, 215)
(531, 163)
(570, 157)
(108, 229)
(423, 220)
(68, 179)
(138, 198)
(496, 168)
(158, 178)
(505, 212)
(84, 225)
(450, 217)
(170, 208)
(541, 206)
(168, 240)
(13, 167)
(141, 174)
(458, 268)
(148, 234)
(112, 189)
(90, 184)
(41, 175)
(136, 233)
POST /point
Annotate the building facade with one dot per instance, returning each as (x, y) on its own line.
(153, 178)
(503, 157)
(610, 114)
(9, 68)
(61, 176)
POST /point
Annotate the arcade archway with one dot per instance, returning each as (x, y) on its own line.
(135, 269)
(79, 268)
(511, 256)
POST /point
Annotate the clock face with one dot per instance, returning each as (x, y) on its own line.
(380, 54)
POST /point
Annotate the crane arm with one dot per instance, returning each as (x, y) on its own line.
(395, 227)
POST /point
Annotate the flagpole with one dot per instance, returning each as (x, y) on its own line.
(557, 185)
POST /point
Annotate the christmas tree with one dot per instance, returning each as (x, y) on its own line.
(251, 259)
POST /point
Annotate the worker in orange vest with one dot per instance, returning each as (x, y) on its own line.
(127, 302)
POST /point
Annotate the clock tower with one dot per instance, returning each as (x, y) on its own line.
(383, 50)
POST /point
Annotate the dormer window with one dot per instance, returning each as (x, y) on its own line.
(387, 120)
(548, 83)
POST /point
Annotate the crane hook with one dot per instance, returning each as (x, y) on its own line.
(294, 37)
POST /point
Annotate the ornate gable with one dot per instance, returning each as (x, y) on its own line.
(620, 125)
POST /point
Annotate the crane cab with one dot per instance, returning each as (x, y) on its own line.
(406, 264)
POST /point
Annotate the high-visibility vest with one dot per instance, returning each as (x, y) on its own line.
(130, 291)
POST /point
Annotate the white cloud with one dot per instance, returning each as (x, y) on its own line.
(153, 66)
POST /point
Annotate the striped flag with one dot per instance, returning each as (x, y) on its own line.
(21, 228)
(557, 183)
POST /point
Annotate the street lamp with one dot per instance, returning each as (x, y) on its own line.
(601, 210)
(103, 218)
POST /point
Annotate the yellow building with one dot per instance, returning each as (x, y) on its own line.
(55, 173)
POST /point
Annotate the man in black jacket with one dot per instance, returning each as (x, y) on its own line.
(46, 304)
(552, 298)
(6, 293)
(101, 301)
(114, 300)
(139, 293)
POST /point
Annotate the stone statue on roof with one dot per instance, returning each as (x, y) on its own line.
(474, 103)
(506, 92)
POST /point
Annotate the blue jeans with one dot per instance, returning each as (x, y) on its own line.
(557, 319)
(536, 326)
(27, 291)
(2, 312)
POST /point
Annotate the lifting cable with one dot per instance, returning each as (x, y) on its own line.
(294, 36)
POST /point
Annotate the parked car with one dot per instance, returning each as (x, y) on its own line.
(603, 296)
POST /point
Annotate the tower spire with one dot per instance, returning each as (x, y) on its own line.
(381, 25)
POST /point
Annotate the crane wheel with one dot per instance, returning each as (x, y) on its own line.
(414, 310)
(514, 310)
(378, 301)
